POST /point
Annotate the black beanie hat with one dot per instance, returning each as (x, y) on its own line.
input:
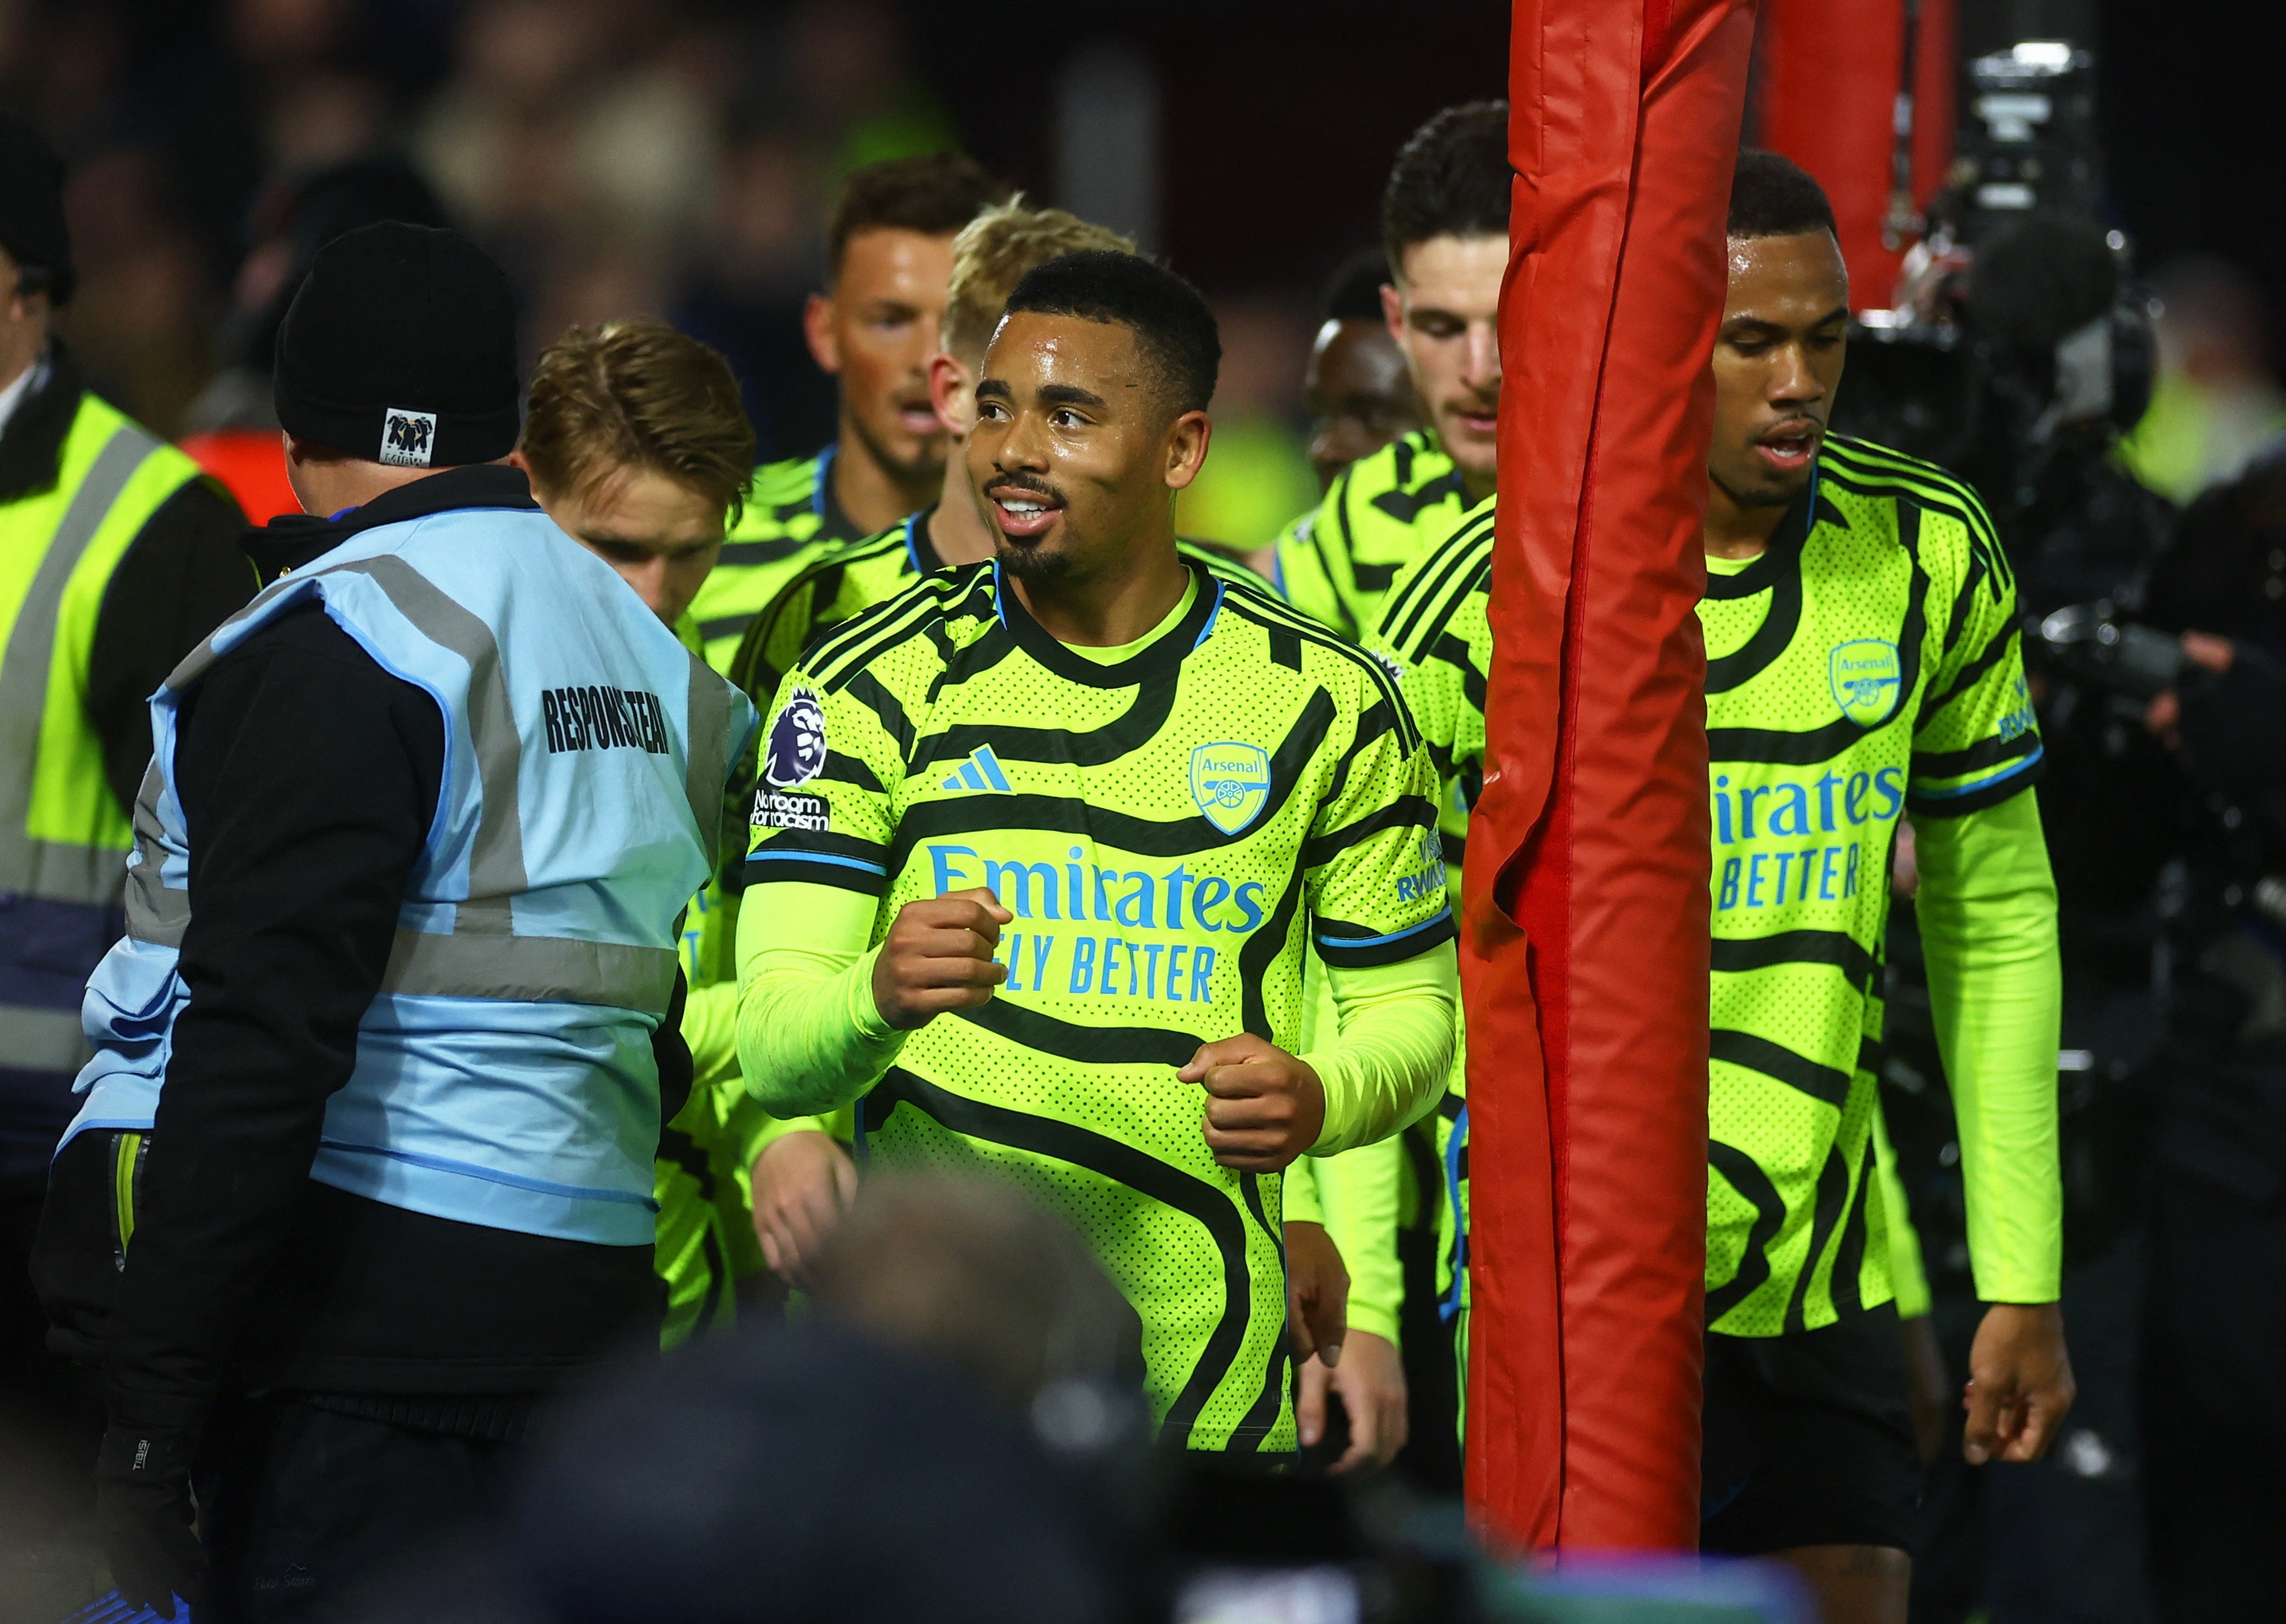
(401, 348)
(32, 209)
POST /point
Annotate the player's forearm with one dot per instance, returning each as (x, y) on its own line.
(1396, 1041)
(1358, 1191)
(1987, 907)
(810, 1039)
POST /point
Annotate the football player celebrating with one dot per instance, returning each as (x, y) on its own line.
(1070, 818)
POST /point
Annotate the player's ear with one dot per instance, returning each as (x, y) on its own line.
(1393, 310)
(952, 391)
(1187, 448)
(818, 327)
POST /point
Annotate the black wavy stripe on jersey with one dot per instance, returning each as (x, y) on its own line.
(818, 585)
(1375, 721)
(1828, 1084)
(1088, 1044)
(1930, 491)
(1261, 951)
(1162, 653)
(1777, 571)
(1181, 837)
(1121, 1163)
(1262, 1415)
(850, 646)
(1405, 501)
(1867, 469)
(869, 692)
(1139, 723)
(1441, 590)
(852, 769)
(1825, 1213)
(1782, 747)
(1745, 1176)
(1971, 673)
(1406, 812)
(1736, 955)
(1846, 1285)
(1276, 617)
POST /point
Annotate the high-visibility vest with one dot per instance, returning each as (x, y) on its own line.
(64, 836)
(504, 1074)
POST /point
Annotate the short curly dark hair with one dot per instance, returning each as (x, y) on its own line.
(1451, 179)
(935, 193)
(1771, 196)
(1170, 318)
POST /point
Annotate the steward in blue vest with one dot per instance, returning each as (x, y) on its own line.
(380, 1064)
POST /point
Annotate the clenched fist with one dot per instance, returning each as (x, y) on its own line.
(1265, 1107)
(938, 956)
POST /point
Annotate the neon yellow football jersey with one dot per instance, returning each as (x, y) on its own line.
(790, 519)
(1337, 560)
(1169, 831)
(851, 579)
(1865, 665)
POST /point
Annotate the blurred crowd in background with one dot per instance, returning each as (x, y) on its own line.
(627, 156)
(631, 156)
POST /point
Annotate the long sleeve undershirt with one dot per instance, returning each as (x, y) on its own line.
(1987, 907)
(811, 1040)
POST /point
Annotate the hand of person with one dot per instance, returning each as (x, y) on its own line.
(803, 1183)
(1317, 1293)
(1371, 1381)
(143, 1517)
(938, 956)
(2162, 717)
(1263, 1106)
(2020, 1384)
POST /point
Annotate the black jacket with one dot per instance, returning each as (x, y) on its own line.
(308, 778)
(184, 574)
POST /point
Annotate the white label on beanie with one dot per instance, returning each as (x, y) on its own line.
(407, 438)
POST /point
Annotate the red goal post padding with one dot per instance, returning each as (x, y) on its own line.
(1585, 941)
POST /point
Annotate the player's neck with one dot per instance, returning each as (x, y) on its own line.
(1106, 611)
(956, 528)
(1479, 485)
(1735, 530)
(873, 495)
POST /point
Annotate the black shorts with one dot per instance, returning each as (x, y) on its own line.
(1808, 1439)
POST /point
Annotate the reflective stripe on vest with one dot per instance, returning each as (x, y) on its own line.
(504, 1075)
(59, 898)
(482, 957)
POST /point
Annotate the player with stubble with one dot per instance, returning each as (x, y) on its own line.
(1058, 825)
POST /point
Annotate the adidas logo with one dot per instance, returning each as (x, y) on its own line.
(981, 771)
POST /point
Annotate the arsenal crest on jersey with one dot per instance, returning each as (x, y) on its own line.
(1866, 675)
(1230, 783)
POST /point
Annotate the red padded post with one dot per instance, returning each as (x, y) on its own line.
(1585, 901)
(1830, 75)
